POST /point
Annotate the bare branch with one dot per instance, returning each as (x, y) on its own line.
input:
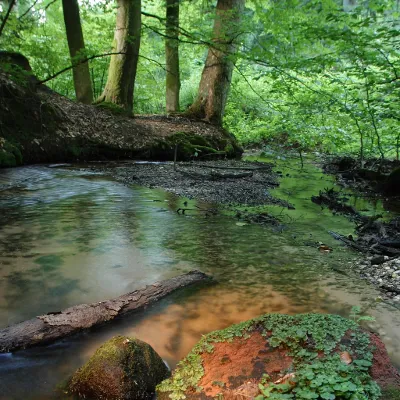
(4, 21)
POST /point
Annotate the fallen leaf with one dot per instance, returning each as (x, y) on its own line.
(324, 249)
(345, 357)
(241, 223)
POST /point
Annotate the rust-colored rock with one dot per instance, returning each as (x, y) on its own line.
(291, 351)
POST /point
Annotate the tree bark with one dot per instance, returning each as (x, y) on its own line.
(173, 82)
(217, 73)
(48, 328)
(122, 71)
(76, 44)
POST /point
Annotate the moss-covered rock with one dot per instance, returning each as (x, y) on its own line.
(122, 368)
(10, 155)
(308, 356)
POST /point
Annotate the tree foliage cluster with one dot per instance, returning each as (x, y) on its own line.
(312, 73)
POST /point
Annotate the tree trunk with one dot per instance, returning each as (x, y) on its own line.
(217, 73)
(76, 44)
(50, 327)
(122, 71)
(173, 82)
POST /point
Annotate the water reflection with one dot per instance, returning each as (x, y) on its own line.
(67, 237)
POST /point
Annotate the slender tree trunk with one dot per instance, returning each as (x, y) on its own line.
(76, 44)
(173, 82)
(217, 73)
(122, 71)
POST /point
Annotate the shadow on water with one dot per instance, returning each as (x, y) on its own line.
(69, 237)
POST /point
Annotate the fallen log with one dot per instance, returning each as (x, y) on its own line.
(48, 328)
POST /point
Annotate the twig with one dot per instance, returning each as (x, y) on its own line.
(86, 59)
(175, 155)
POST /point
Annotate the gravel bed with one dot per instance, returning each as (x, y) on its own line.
(385, 275)
(198, 180)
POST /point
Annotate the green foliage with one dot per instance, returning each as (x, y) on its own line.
(308, 74)
(313, 340)
(355, 315)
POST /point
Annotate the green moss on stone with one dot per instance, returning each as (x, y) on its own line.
(10, 155)
(112, 108)
(122, 368)
(190, 146)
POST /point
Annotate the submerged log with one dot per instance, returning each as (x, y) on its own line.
(48, 328)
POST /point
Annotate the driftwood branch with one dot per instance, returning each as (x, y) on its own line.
(48, 328)
(348, 242)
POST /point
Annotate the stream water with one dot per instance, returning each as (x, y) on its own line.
(69, 236)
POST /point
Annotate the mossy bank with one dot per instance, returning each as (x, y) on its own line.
(39, 126)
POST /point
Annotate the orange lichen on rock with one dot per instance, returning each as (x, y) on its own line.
(232, 364)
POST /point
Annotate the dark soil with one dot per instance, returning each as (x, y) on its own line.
(372, 178)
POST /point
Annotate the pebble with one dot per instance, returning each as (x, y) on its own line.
(385, 275)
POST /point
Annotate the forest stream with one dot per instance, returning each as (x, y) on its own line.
(70, 236)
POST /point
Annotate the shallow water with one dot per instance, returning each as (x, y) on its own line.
(68, 236)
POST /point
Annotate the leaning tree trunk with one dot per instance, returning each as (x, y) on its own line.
(217, 73)
(173, 82)
(76, 44)
(123, 66)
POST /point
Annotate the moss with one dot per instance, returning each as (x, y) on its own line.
(10, 154)
(229, 150)
(190, 146)
(74, 150)
(303, 336)
(121, 368)
(112, 108)
(391, 393)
